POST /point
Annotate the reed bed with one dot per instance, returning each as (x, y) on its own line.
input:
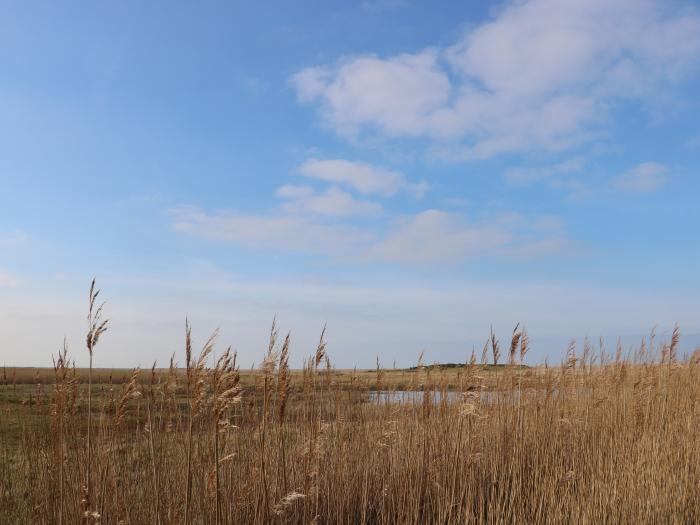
(603, 438)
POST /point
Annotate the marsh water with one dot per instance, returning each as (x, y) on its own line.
(437, 396)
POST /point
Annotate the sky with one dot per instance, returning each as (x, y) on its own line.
(407, 173)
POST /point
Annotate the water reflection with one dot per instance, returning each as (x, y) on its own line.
(484, 396)
(437, 396)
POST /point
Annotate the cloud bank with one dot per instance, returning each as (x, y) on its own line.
(542, 75)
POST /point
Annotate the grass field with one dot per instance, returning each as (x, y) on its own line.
(601, 439)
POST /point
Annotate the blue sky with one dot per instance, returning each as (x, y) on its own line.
(408, 173)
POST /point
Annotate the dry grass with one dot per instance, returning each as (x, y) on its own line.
(602, 439)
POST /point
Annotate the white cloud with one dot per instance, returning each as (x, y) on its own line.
(541, 75)
(332, 202)
(363, 177)
(286, 232)
(291, 191)
(398, 94)
(312, 220)
(526, 176)
(435, 236)
(308, 219)
(431, 237)
(8, 280)
(643, 178)
(439, 237)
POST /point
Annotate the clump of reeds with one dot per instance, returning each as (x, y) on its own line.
(607, 437)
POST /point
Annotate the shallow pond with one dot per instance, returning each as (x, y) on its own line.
(416, 396)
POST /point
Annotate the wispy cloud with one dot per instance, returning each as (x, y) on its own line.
(693, 142)
(7, 280)
(435, 236)
(643, 178)
(526, 176)
(566, 176)
(431, 237)
(362, 177)
(332, 202)
(255, 85)
(320, 221)
(540, 75)
(359, 177)
(281, 231)
(13, 238)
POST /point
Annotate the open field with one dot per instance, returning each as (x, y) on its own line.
(600, 439)
(398, 378)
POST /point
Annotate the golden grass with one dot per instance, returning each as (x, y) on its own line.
(599, 440)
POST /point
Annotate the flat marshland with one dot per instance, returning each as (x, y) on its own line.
(600, 439)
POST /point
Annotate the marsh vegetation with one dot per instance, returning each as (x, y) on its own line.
(607, 437)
